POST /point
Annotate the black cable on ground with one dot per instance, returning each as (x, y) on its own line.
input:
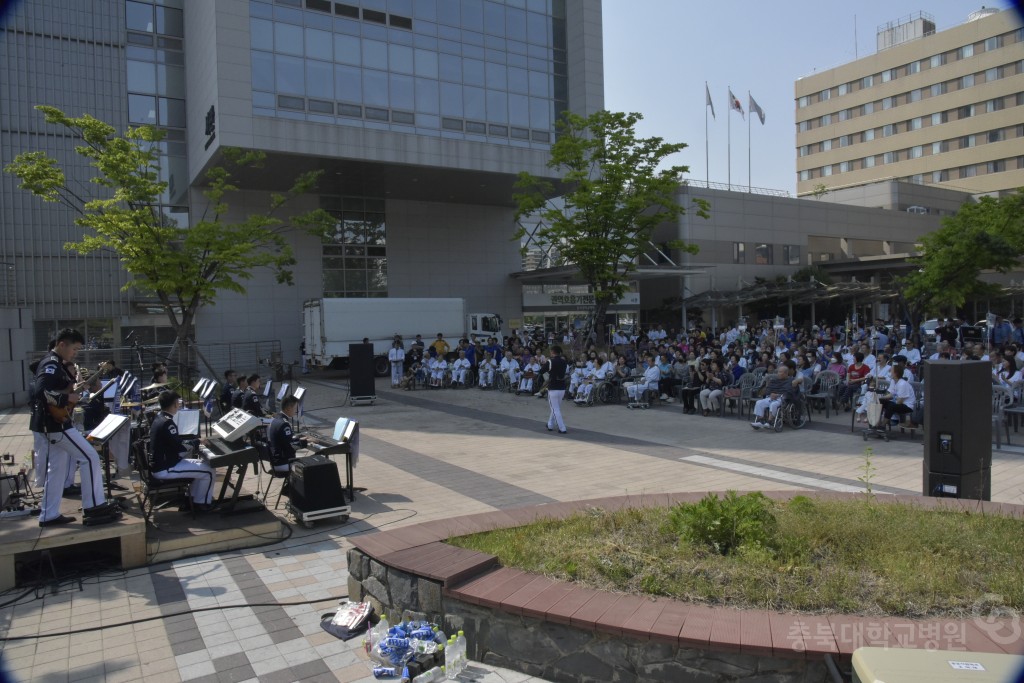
(197, 610)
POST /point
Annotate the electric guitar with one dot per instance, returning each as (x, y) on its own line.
(63, 413)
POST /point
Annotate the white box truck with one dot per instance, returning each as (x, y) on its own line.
(331, 324)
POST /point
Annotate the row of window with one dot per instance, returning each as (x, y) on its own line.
(917, 123)
(522, 74)
(944, 175)
(963, 52)
(447, 21)
(763, 254)
(936, 89)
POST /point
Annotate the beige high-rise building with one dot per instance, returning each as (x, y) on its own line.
(943, 108)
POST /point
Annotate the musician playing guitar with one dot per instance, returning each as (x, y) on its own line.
(58, 442)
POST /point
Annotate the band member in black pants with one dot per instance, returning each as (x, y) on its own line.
(557, 370)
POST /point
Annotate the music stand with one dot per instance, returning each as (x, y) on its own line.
(298, 394)
(268, 395)
(206, 395)
(283, 392)
(100, 436)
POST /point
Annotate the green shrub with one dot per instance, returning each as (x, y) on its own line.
(728, 523)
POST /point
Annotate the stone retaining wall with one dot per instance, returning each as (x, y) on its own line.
(559, 652)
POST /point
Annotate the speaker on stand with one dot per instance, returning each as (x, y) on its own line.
(362, 385)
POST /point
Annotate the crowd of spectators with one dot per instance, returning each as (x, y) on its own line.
(701, 367)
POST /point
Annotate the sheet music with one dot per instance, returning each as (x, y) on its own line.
(283, 392)
(111, 425)
(299, 392)
(208, 389)
(346, 430)
(111, 393)
(266, 389)
(200, 385)
(187, 421)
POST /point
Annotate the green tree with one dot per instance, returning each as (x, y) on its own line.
(987, 235)
(610, 198)
(183, 266)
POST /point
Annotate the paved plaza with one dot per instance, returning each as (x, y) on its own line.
(424, 455)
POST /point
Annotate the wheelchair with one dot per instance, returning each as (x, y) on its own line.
(590, 397)
(608, 391)
(502, 382)
(792, 412)
(643, 401)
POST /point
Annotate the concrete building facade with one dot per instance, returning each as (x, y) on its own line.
(934, 108)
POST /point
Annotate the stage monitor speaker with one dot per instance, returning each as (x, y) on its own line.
(314, 484)
(360, 369)
(958, 429)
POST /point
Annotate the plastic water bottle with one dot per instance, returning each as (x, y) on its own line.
(396, 643)
(451, 654)
(431, 676)
(381, 671)
(463, 652)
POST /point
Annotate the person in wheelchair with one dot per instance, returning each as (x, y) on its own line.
(487, 368)
(649, 380)
(900, 400)
(510, 366)
(459, 367)
(779, 388)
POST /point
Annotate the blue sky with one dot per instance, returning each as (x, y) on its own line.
(659, 53)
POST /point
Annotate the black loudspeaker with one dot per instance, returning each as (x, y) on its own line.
(314, 484)
(958, 429)
(360, 368)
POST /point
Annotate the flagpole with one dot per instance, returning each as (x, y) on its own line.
(729, 145)
(748, 145)
(707, 163)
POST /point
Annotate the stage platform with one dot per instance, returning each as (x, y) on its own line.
(130, 539)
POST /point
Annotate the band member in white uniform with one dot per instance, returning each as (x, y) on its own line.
(58, 443)
(168, 451)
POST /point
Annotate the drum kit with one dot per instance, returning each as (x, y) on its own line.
(149, 401)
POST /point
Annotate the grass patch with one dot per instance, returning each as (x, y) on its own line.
(806, 555)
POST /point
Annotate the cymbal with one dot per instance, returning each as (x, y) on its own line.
(155, 386)
(130, 404)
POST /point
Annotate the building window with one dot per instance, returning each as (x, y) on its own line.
(887, 102)
(968, 171)
(739, 249)
(802, 150)
(888, 75)
(913, 68)
(940, 147)
(966, 112)
(916, 152)
(844, 88)
(993, 43)
(938, 89)
(965, 52)
(940, 176)
(791, 254)
(967, 81)
(914, 96)
(996, 135)
(938, 60)
(763, 254)
(826, 145)
(802, 102)
(992, 74)
(939, 117)
(869, 162)
(805, 175)
(868, 135)
(867, 81)
(844, 166)
(826, 170)
(890, 157)
(915, 123)
(994, 105)
(869, 107)
(967, 141)
(804, 126)
(355, 256)
(826, 119)
(844, 140)
(888, 129)
(845, 114)
(824, 95)
(997, 166)
(917, 179)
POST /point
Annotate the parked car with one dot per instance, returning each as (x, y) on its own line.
(928, 328)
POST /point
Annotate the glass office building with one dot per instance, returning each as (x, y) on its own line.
(418, 113)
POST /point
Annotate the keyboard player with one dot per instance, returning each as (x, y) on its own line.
(168, 451)
(282, 437)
